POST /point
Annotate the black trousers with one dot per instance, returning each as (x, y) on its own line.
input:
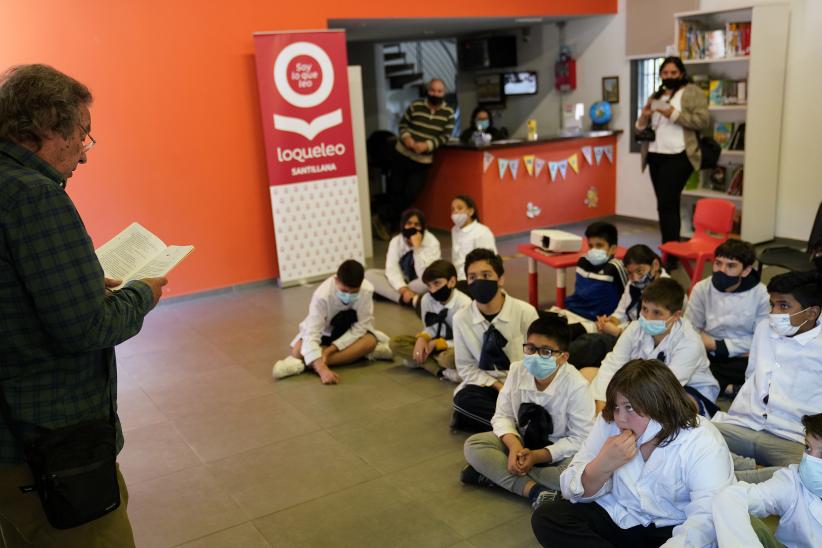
(729, 371)
(669, 173)
(473, 408)
(563, 524)
(405, 183)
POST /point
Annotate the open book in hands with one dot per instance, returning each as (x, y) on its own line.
(136, 253)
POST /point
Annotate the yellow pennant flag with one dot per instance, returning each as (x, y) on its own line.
(573, 161)
(528, 160)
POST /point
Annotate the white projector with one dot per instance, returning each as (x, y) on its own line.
(557, 241)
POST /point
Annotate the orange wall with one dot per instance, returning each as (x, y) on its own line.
(176, 112)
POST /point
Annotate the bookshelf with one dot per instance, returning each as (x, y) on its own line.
(761, 66)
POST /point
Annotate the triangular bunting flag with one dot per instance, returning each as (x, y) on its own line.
(553, 167)
(487, 160)
(528, 161)
(609, 152)
(540, 164)
(514, 165)
(563, 167)
(503, 165)
(586, 151)
(598, 154)
(573, 161)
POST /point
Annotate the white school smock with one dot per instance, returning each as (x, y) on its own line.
(674, 487)
(427, 253)
(729, 317)
(670, 136)
(466, 239)
(470, 325)
(454, 304)
(324, 306)
(784, 495)
(621, 311)
(567, 399)
(684, 354)
(788, 370)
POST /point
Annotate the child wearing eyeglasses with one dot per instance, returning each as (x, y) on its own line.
(544, 412)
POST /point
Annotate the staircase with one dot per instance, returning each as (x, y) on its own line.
(398, 70)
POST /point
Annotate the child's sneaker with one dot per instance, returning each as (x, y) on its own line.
(470, 476)
(287, 367)
(544, 496)
(451, 375)
(381, 352)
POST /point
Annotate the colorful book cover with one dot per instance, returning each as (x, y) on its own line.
(723, 132)
(715, 92)
(714, 44)
(718, 179)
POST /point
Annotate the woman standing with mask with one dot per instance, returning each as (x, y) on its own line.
(467, 234)
(677, 112)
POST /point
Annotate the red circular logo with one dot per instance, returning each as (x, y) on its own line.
(304, 74)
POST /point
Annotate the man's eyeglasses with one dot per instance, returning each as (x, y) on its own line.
(87, 144)
(544, 351)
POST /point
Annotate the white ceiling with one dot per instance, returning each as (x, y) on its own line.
(381, 30)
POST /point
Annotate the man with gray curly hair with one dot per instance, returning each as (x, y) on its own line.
(59, 322)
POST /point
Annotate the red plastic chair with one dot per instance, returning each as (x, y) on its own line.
(712, 215)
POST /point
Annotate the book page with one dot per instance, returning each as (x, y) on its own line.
(128, 252)
(162, 264)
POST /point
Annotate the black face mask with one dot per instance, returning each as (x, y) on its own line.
(434, 100)
(409, 231)
(483, 291)
(672, 83)
(442, 294)
(722, 281)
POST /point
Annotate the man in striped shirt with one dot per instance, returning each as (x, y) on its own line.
(426, 125)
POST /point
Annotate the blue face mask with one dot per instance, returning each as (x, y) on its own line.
(597, 256)
(483, 124)
(810, 472)
(347, 298)
(541, 368)
(653, 327)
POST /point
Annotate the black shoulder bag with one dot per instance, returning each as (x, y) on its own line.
(74, 468)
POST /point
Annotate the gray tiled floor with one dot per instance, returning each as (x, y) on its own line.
(219, 455)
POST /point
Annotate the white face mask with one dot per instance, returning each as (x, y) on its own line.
(651, 430)
(459, 219)
(781, 324)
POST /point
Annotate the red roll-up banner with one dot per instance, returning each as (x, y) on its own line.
(309, 147)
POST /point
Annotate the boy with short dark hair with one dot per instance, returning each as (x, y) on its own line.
(661, 333)
(488, 336)
(793, 493)
(433, 347)
(783, 380)
(339, 327)
(543, 414)
(726, 308)
(601, 277)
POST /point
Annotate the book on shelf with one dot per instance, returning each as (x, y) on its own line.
(738, 138)
(717, 179)
(727, 92)
(735, 180)
(697, 42)
(723, 131)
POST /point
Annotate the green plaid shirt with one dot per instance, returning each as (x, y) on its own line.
(58, 324)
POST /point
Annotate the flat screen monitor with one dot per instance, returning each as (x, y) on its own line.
(520, 83)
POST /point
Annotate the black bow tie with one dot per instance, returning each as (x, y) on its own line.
(492, 355)
(439, 319)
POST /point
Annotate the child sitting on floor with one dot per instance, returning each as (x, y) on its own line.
(339, 328)
(433, 347)
(544, 413)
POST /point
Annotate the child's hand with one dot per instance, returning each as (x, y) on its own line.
(421, 350)
(431, 346)
(513, 464)
(708, 341)
(617, 451)
(526, 460)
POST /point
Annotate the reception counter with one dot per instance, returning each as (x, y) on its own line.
(509, 204)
